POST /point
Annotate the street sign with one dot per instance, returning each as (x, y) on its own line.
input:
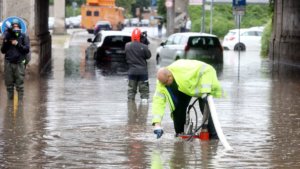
(169, 3)
(6, 22)
(238, 2)
(195, 2)
(153, 2)
(239, 7)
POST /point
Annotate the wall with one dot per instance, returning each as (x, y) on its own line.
(285, 40)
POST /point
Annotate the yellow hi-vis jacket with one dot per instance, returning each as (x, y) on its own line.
(194, 78)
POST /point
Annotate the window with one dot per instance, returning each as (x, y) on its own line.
(170, 40)
(184, 40)
(97, 38)
(116, 41)
(96, 13)
(249, 33)
(196, 41)
(88, 13)
(203, 42)
(259, 33)
(176, 40)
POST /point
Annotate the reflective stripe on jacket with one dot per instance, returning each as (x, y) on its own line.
(193, 78)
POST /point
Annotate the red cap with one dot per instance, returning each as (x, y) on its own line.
(136, 35)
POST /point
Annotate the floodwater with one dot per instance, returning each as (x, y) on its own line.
(77, 116)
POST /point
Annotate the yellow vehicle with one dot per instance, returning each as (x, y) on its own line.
(100, 10)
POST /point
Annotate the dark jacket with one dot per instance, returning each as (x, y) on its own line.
(16, 53)
(136, 55)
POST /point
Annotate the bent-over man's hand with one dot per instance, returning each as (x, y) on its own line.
(158, 131)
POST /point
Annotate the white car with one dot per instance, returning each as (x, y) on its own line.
(134, 22)
(51, 22)
(145, 22)
(250, 39)
(190, 45)
(73, 22)
(126, 22)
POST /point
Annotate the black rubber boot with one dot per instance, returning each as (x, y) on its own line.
(10, 95)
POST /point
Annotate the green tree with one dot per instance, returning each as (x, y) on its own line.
(223, 18)
(265, 40)
(127, 5)
(70, 11)
(140, 4)
(161, 8)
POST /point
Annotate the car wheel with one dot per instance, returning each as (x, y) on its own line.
(239, 47)
(86, 55)
(95, 56)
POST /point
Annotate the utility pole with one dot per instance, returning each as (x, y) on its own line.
(203, 17)
(211, 15)
(170, 16)
(1, 10)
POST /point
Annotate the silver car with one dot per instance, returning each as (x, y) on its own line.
(191, 45)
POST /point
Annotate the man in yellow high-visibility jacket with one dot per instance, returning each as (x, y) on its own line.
(177, 84)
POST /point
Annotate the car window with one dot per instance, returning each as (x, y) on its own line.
(104, 26)
(176, 40)
(170, 40)
(231, 33)
(196, 41)
(258, 33)
(116, 41)
(213, 42)
(204, 42)
(97, 38)
(249, 33)
(184, 40)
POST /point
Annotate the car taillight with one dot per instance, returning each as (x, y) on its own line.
(186, 48)
(231, 38)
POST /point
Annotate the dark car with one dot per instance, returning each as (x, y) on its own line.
(102, 25)
(108, 46)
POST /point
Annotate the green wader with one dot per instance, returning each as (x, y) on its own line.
(14, 76)
(138, 81)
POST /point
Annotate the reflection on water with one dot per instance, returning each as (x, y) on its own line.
(79, 117)
(22, 127)
(137, 115)
(112, 68)
(185, 154)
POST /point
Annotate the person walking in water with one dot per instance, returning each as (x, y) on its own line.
(137, 54)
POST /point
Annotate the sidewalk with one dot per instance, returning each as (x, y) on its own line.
(59, 41)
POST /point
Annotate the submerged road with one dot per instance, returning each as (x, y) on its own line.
(77, 116)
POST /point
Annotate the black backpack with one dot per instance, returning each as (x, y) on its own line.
(28, 55)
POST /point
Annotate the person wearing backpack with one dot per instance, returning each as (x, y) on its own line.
(16, 47)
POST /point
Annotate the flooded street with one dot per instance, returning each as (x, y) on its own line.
(77, 116)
